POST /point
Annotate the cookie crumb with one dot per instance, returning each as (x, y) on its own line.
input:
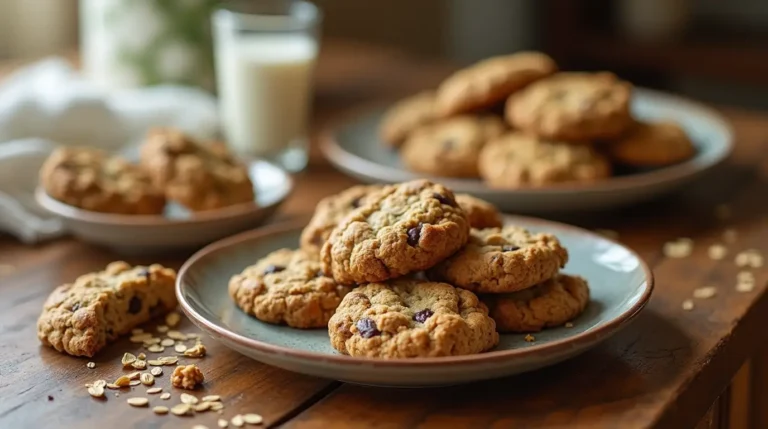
(723, 211)
(705, 292)
(91, 365)
(568, 324)
(50, 397)
(730, 235)
(197, 351)
(530, 338)
(187, 377)
(688, 305)
(680, 248)
(717, 252)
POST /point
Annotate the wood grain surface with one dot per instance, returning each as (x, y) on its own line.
(663, 371)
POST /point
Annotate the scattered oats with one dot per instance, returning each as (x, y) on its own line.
(202, 407)
(705, 292)
(253, 419)
(238, 421)
(167, 342)
(147, 379)
(96, 391)
(530, 338)
(181, 409)
(153, 390)
(134, 383)
(128, 359)
(151, 341)
(186, 398)
(749, 258)
(211, 398)
(91, 365)
(156, 362)
(193, 335)
(745, 276)
(217, 406)
(139, 364)
(138, 401)
(222, 423)
(160, 409)
(569, 324)
(680, 248)
(730, 235)
(141, 356)
(717, 251)
(176, 335)
(172, 319)
(100, 383)
(162, 329)
(165, 395)
(608, 233)
(156, 371)
(180, 348)
(169, 360)
(199, 427)
(122, 381)
(197, 351)
(134, 375)
(688, 305)
(137, 331)
(156, 348)
(745, 287)
(141, 337)
(723, 211)
(112, 386)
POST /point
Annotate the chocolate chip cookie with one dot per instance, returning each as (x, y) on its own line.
(92, 180)
(287, 286)
(498, 260)
(199, 176)
(401, 229)
(82, 317)
(409, 318)
(480, 213)
(545, 305)
(450, 147)
(329, 212)
(572, 107)
(652, 145)
(519, 160)
(491, 81)
(405, 116)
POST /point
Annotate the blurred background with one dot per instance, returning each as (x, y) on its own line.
(710, 49)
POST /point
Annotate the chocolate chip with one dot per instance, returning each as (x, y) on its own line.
(444, 200)
(367, 328)
(422, 315)
(271, 269)
(509, 248)
(414, 234)
(75, 306)
(134, 306)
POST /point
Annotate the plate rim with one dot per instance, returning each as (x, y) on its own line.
(543, 350)
(362, 167)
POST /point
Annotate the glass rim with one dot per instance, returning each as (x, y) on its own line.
(305, 16)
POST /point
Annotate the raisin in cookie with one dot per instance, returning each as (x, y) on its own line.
(491, 81)
(545, 305)
(287, 286)
(401, 229)
(480, 213)
(450, 147)
(498, 260)
(410, 318)
(405, 116)
(652, 145)
(518, 160)
(201, 177)
(82, 317)
(329, 212)
(572, 107)
(91, 180)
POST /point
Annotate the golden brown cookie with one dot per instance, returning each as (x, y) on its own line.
(405, 116)
(480, 213)
(572, 107)
(652, 145)
(92, 180)
(545, 305)
(411, 318)
(518, 160)
(450, 147)
(201, 177)
(399, 230)
(491, 81)
(498, 260)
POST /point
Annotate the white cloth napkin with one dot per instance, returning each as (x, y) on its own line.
(49, 104)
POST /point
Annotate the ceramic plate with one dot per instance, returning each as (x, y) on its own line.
(355, 149)
(620, 284)
(177, 228)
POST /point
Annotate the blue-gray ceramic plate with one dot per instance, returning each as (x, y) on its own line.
(355, 149)
(619, 280)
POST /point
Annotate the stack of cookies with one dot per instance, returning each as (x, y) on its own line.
(515, 121)
(392, 272)
(173, 167)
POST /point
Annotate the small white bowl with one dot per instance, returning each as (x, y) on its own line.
(177, 228)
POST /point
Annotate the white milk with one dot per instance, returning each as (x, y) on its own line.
(265, 85)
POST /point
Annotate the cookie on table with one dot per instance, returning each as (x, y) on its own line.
(401, 229)
(480, 213)
(405, 116)
(200, 177)
(329, 212)
(545, 305)
(92, 180)
(572, 107)
(518, 160)
(490, 81)
(411, 318)
(81, 318)
(499, 260)
(652, 145)
(287, 287)
(450, 148)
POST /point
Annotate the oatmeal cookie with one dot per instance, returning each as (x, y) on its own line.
(92, 180)
(652, 145)
(491, 81)
(287, 286)
(201, 177)
(82, 317)
(572, 107)
(545, 305)
(410, 318)
(405, 116)
(498, 260)
(450, 147)
(518, 160)
(480, 213)
(401, 229)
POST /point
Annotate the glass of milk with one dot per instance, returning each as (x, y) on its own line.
(265, 57)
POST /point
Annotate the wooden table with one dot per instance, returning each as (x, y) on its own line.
(666, 370)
